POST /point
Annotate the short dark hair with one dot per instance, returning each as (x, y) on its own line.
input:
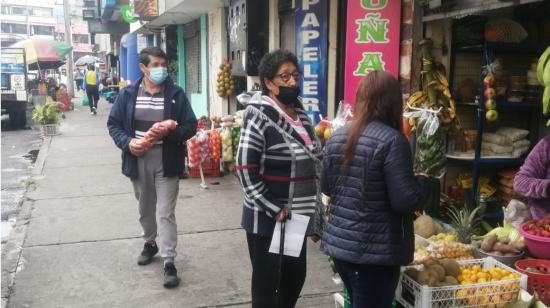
(271, 62)
(153, 52)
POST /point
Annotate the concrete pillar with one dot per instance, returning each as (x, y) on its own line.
(217, 51)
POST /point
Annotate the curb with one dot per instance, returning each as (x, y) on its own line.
(13, 248)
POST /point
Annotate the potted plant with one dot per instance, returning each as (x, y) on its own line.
(47, 115)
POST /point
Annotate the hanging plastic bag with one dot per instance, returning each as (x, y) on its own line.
(430, 146)
(85, 101)
(343, 116)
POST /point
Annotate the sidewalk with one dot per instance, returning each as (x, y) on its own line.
(80, 235)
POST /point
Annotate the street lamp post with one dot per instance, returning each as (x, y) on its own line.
(68, 40)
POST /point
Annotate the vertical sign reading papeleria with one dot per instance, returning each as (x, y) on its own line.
(311, 20)
(372, 40)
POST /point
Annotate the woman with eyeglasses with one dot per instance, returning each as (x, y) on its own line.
(277, 167)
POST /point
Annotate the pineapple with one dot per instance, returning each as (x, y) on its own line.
(466, 221)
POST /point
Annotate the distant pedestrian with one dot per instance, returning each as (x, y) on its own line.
(277, 167)
(368, 175)
(155, 171)
(91, 85)
(79, 79)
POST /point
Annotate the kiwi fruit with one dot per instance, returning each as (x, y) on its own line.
(424, 277)
(439, 270)
(452, 268)
(451, 280)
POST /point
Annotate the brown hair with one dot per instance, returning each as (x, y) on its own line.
(378, 98)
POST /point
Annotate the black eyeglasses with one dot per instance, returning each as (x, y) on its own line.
(286, 76)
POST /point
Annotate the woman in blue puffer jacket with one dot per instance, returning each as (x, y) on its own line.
(368, 174)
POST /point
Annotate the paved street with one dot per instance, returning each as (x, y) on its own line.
(19, 150)
(80, 235)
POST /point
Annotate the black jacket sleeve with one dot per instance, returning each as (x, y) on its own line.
(406, 191)
(115, 122)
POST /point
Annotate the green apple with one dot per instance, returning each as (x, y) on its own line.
(491, 115)
(490, 104)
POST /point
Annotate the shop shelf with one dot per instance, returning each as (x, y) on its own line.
(491, 160)
(526, 104)
(488, 52)
(523, 48)
(501, 161)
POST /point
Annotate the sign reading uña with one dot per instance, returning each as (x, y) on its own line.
(372, 41)
(311, 48)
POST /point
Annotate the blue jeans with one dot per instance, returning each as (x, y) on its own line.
(368, 285)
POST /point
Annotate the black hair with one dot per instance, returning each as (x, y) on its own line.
(271, 62)
(153, 52)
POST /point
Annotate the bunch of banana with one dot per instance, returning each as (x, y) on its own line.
(543, 75)
(435, 92)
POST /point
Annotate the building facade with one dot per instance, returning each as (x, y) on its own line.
(23, 19)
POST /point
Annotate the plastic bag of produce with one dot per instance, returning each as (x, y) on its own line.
(430, 146)
(235, 137)
(193, 152)
(204, 145)
(227, 144)
(215, 143)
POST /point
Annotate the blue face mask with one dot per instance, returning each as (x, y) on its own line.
(157, 75)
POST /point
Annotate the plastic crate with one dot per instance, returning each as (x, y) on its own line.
(411, 294)
(210, 168)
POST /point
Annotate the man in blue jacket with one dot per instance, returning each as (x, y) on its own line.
(154, 171)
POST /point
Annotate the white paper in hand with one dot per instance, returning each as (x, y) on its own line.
(295, 231)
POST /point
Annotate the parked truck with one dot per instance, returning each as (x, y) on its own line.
(14, 92)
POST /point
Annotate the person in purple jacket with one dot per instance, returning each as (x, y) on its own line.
(533, 179)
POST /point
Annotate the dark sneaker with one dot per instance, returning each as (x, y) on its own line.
(147, 254)
(171, 279)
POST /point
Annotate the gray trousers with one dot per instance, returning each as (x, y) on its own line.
(157, 196)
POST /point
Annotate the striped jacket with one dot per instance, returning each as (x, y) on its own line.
(276, 169)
